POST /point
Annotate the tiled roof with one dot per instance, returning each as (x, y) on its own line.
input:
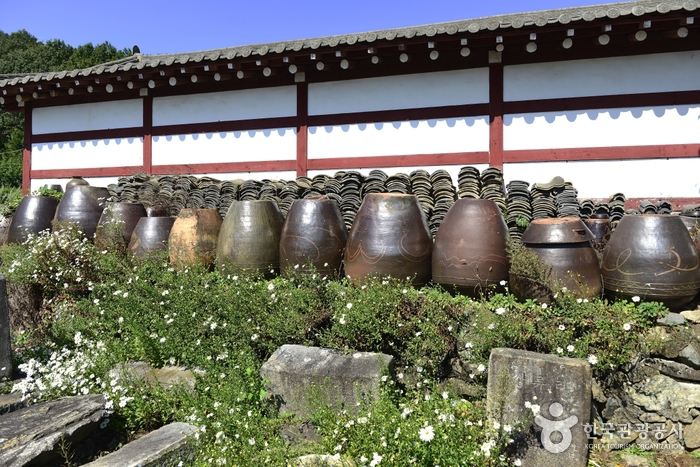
(492, 23)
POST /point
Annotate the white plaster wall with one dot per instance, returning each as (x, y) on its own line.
(225, 106)
(122, 152)
(94, 181)
(603, 127)
(399, 138)
(648, 178)
(400, 92)
(87, 117)
(233, 146)
(602, 76)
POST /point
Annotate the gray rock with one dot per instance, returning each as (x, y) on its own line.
(691, 435)
(662, 393)
(11, 402)
(651, 417)
(690, 355)
(30, 436)
(560, 386)
(166, 377)
(5, 345)
(692, 315)
(598, 392)
(633, 460)
(674, 369)
(300, 433)
(672, 319)
(677, 414)
(300, 376)
(612, 404)
(166, 446)
(694, 412)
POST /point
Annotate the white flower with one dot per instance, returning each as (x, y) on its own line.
(562, 327)
(468, 345)
(535, 409)
(578, 300)
(592, 359)
(627, 326)
(481, 368)
(560, 350)
(445, 395)
(376, 459)
(544, 306)
(126, 294)
(162, 340)
(251, 441)
(517, 462)
(426, 433)
(500, 311)
(270, 286)
(349, 306)
(342, 319)
(503, 282)
(253, 337)
(570, 348)
(404, 291)
(496, 425)
(636, 299)
(491, 326)
(296, 266)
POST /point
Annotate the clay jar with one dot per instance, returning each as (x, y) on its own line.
(123, 215)
(599, 225)
(653, 257)
(150, 236)
(249, 238)
(313, 238)
(33, 215)
(83, 204)
(469, 254)
(193, 238)
(76, 181)
(691, 220)
(564, 244)
(389, 237)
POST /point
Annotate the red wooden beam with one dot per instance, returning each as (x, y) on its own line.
(495, 110)
(148, 134)
(456, 158)
(87, 172)
(27, 149)
(224, 167)
(302, 129)
(603, 153)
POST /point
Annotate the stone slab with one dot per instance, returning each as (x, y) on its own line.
(166, 377)
(674, 369)
(552, 433)
(297, 374)
(5, 345)
(165, 447)
(672, 319)
(11, 402)
(30, 436)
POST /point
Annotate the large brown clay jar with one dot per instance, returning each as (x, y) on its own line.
(652, 257)
(313, 238)
(600, 227)
(33, 215)
(150, 236)
(469, 254)
(564, 245)
(117, 223)
(193, 238)
(83, 205)
(249, 238)
(389, 237)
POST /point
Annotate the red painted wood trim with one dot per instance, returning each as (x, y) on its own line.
(89, 172)
(113, 133)
(456, 158)
(229, 125)
(224, 167)
(27, 150)
(603, 102)
(302, 129)
(496, 115)
(602, 153)
(148, 134)
(425, 113)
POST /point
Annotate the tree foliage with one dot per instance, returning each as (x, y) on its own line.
(21, 52)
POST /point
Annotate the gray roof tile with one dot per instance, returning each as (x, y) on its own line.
(494, 23)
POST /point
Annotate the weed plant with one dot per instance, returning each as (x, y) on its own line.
(105, 310)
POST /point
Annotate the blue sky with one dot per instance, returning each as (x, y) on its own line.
(177, 26)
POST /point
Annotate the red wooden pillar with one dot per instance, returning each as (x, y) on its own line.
(148, 135)
(27, 149)
(495, 110)
(302, 129)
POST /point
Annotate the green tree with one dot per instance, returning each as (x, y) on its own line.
(21, 52)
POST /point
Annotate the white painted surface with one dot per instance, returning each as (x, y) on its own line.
(234, 146)
(87, 117)
(649, 178)
(602, 76)
(400, 92)
(94, 181)
(453, 170)
(603, 127)
(124, 152)
(399, 138)
(225, 106)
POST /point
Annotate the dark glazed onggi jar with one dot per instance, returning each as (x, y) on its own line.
(469, 254)
(652, 256)
(389, 237)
